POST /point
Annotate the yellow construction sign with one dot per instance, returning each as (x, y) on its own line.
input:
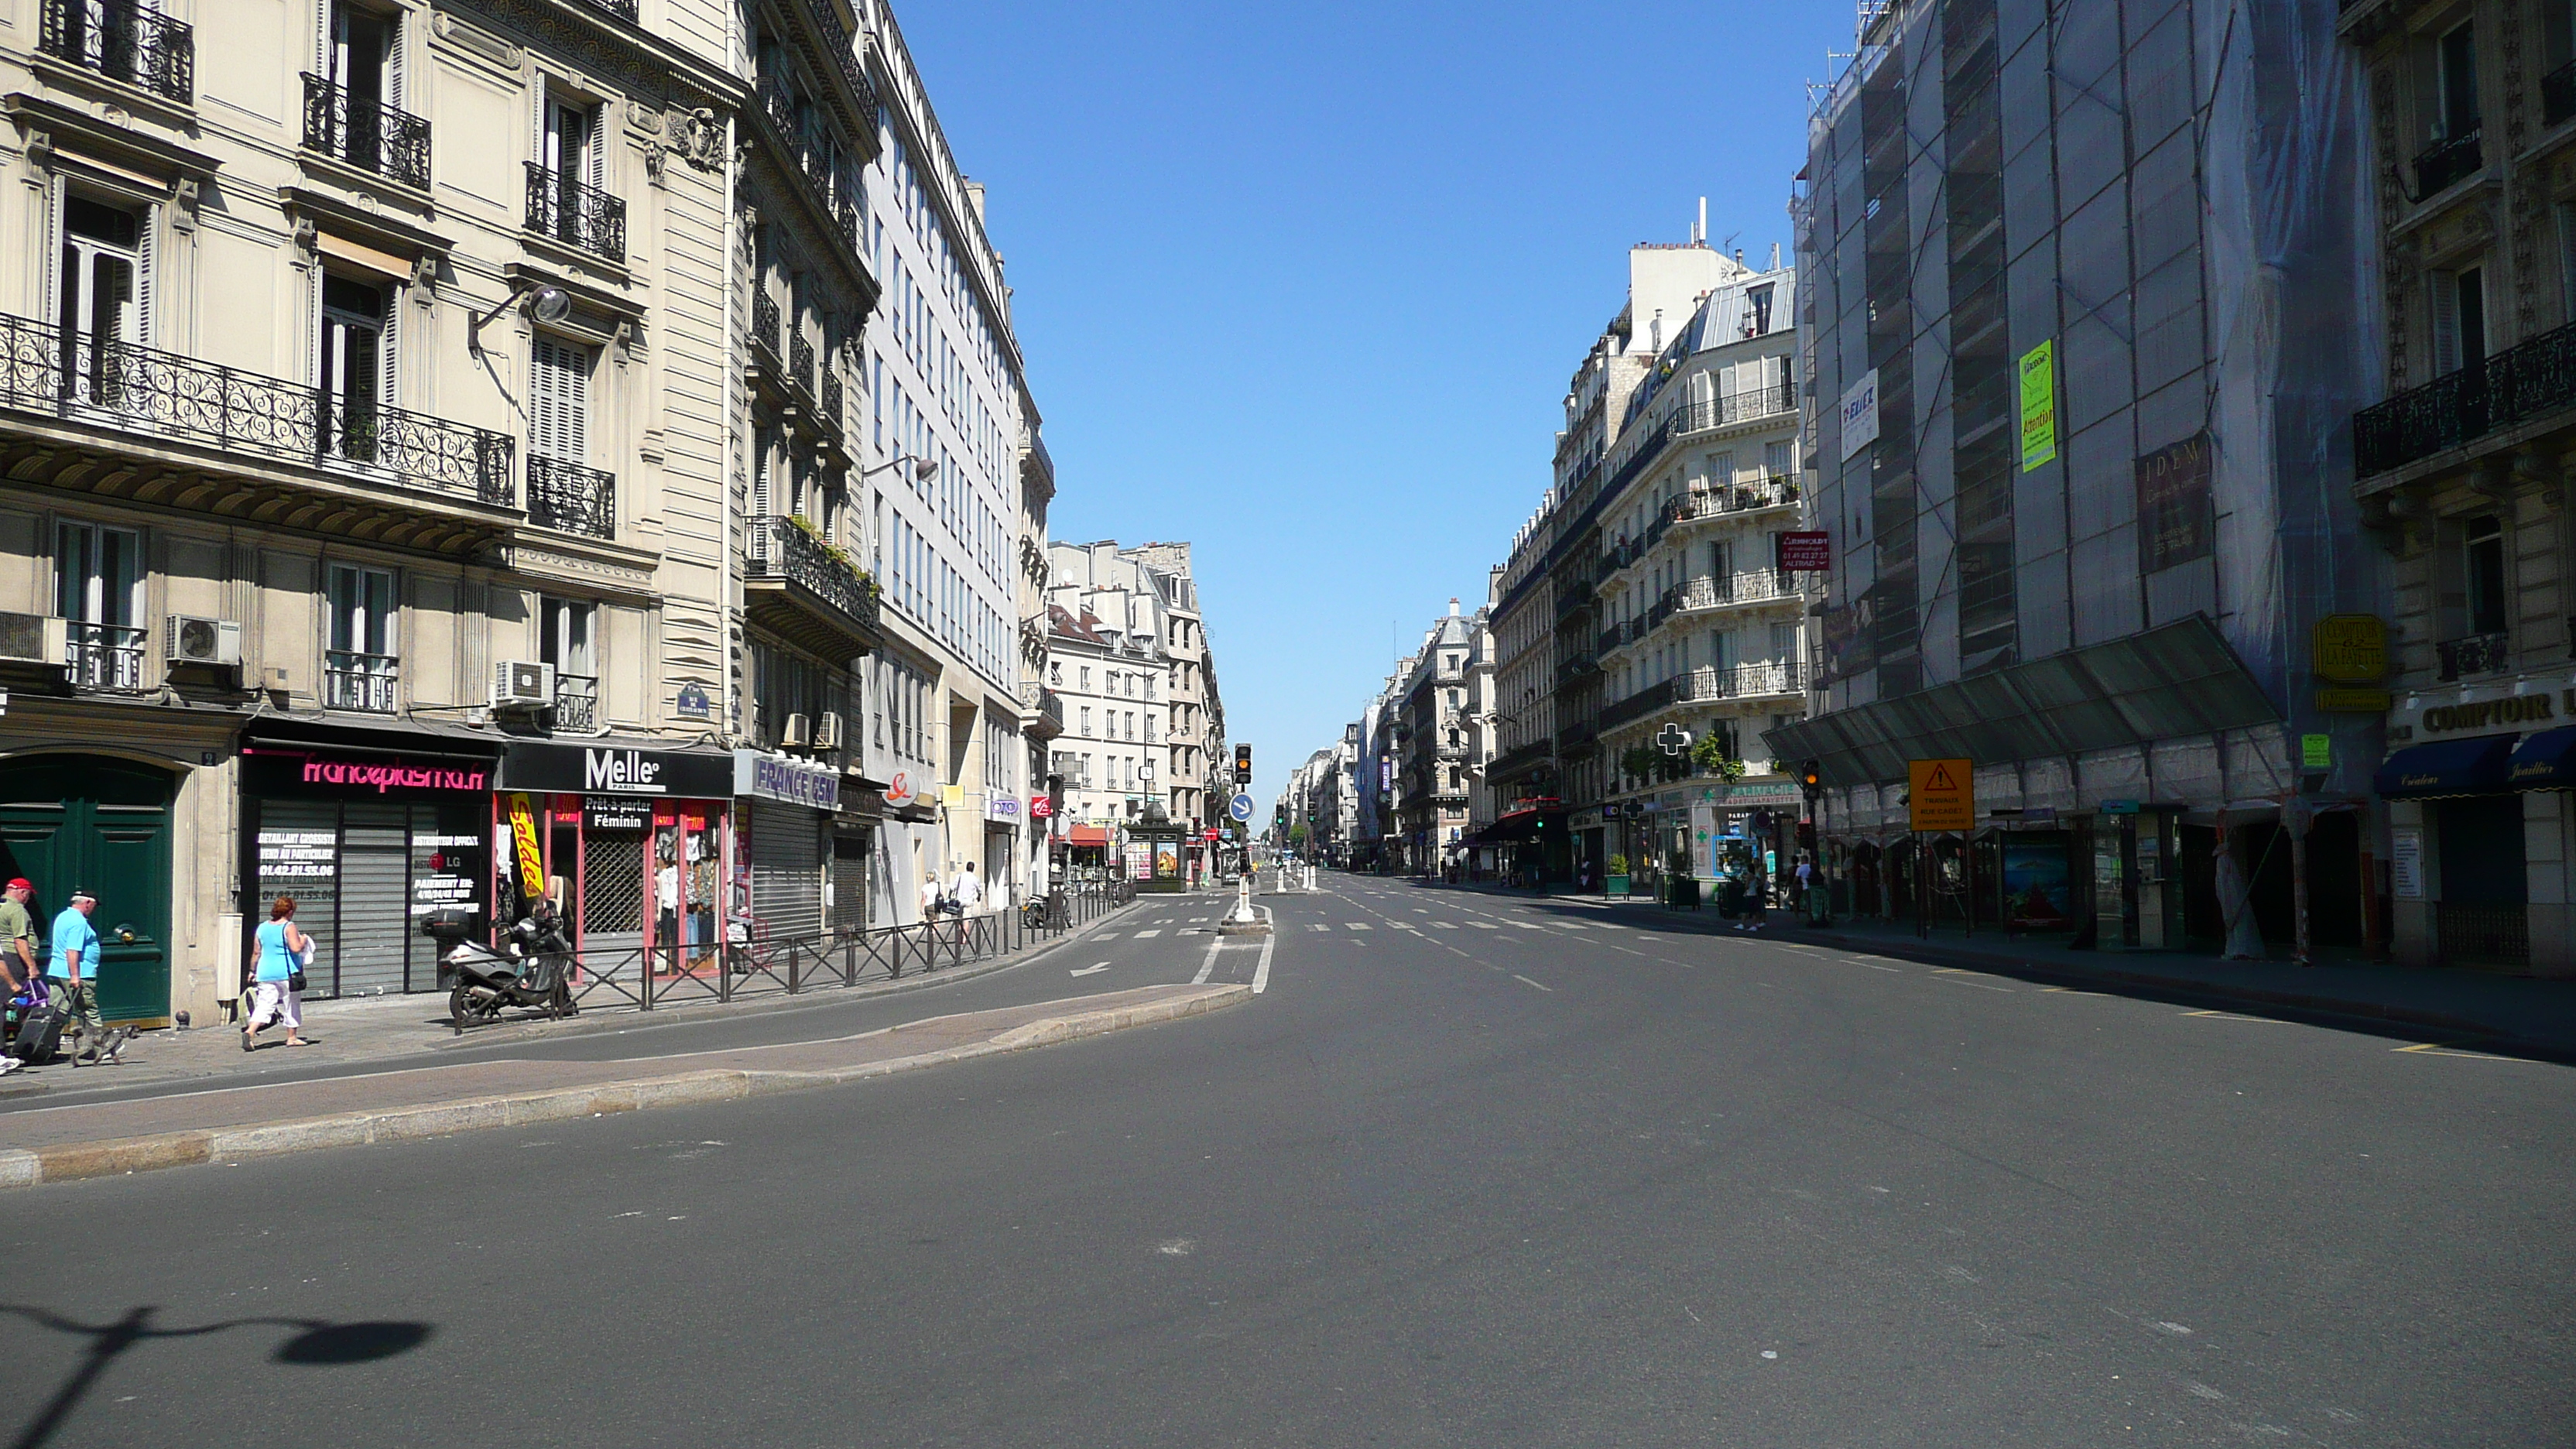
(1941, 794)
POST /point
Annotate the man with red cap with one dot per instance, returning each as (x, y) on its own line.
(17, 935)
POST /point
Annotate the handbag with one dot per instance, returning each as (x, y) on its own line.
(302, 959)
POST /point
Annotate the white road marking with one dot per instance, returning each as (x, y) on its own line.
(1261, 971)
(1482, 925)
(1106, 936)
(1357, 926)
(1317, 926)
(1528, 926)
(1215, 944)
(1516, 976)
(1141, 935)
(1444, 925)
(1092, 970)
(1981, 986)
(1570, 925)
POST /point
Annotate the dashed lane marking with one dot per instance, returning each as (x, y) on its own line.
(2237, 1016)
(1357, 926)
(1516, 976)
(2446, 1049)
(1106, 936)
(1955, 976)
(1528, 926)
(1317, 926)
(1482, 925)
(1141, 935)
(1444, 925)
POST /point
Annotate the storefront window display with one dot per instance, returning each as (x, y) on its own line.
(631, 842)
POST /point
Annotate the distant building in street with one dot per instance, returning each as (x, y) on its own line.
(1130, 665)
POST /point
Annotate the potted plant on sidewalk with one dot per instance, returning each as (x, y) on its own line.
(1617, 882)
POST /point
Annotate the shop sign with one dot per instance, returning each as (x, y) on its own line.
(1004, 808)
(616, 812)
(2347, 700)
(2406, 864)
(1040, 807)
(2349, 648)
(902, 789)
(692, 703)
(298, 855)
(531, 856)
(383, 775)
(762, 776)
(447, 873)
(2316, 752)
(615, 770)
(2487, 714)
(2175, 523)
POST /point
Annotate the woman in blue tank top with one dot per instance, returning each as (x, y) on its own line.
(281, 948)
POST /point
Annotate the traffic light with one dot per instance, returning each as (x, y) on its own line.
(1243, 764)
(1811, 778)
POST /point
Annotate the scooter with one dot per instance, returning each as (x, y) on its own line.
(532, 971)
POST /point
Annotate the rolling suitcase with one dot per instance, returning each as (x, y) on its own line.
(40, 1036)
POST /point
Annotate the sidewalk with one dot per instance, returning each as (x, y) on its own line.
(58, 1144)
(381, 1028)
(2513, 1013)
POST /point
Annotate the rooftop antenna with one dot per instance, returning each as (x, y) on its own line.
(1699, 233)
(1728, 244)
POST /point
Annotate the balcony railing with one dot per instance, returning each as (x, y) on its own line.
(2474, 654)
(392, 143)
(570, 498)
(1737, 498)
(2447, 163)
(103, 656)
(576, 701)
(1638, 705)
(782, 549)
(2514, 386)
(764, 319)
(800, 360)
(831, 397)
(622, 9)
(122, 41)
(369, 682)
(164, 395)
(2558, 94)
(576, 215)
(1745, 681)
(1719, 412)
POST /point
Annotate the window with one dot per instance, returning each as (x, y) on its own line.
(101, 288)
(355, 369)
(360, 668)
(1086, 721)
(2459, 319)
(99, 588)
(2456, 92)
(2482, 577)
(572, 170)
(1757, 311)
(567, 628)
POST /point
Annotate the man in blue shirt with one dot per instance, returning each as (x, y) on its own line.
(71, 979)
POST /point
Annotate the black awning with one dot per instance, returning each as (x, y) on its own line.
(1519, 825)
(2546, 761)
(2475, 766)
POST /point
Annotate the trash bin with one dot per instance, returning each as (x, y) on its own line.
(1682, 892)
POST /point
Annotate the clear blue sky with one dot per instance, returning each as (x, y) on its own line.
(1304, 284)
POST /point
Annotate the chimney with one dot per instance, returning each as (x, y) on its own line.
(975, 196)
(1453, 608)
(1775, 256)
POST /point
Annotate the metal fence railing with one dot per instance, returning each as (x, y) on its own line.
(639, 979)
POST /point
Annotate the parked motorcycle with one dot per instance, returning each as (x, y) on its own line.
(531, 971)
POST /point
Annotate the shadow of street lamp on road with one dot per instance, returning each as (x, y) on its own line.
(319, 1343)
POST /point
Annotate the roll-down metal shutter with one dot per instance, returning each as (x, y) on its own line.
(375, 874)
(787, 870)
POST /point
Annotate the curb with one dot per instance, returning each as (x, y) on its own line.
(538, 1029)
(74, 1161)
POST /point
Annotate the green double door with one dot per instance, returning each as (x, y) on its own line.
(83, 822)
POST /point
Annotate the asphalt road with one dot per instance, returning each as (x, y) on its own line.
(1471, 1172)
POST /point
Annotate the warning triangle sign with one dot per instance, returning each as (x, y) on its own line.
(1940, 779)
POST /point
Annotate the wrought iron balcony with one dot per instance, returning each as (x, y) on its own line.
(122, 41)
(394, 144)
(163, 395)
(576, 701)
(832, 397)
(1638, 705)
(1735, 498)
(2558, 94)
(622, 9)
(104, 656)
(2447, 163)
(764, 320)
(368, 682)
(1734, 408)
(2471, 655)
(807, 591)
(576, 215)
(570, 498)
(800, 360)
(2513, 386)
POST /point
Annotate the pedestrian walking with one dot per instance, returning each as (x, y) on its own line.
(279, 978)
(71, 979)
(969, 888)
(18, 937)
(931, 896)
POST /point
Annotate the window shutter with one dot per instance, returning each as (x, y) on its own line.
(2444, 289)
(388, 350)
(559, 400)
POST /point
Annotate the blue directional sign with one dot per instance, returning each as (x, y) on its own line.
(1241, 807)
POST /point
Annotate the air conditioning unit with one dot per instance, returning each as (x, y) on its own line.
(827, 735)
(33, 639)
(796, 733)
(192, 640)
(522, 684)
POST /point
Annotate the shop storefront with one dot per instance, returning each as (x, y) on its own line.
(369, 841)
(632, 842)
(785, 831)
(1002, 823)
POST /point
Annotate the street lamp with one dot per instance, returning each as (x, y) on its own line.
(923, 469)
(553, 304)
